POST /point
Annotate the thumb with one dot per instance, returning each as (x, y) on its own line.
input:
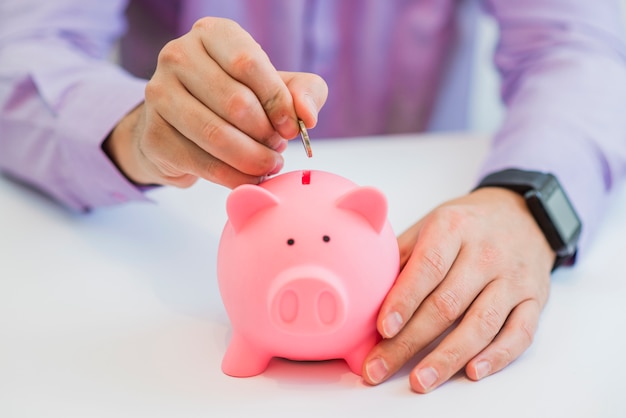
(309, 92)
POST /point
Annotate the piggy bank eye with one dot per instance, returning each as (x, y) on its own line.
(290, 241)
(326, 238)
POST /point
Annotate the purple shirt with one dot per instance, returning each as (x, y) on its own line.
(563, 66)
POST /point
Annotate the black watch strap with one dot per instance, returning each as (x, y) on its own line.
(519, 181)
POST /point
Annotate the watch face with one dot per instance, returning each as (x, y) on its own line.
(561, 213)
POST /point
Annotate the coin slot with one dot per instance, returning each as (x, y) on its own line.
(306, 177)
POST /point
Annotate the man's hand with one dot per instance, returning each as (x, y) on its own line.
(478, 267)
(216, 109)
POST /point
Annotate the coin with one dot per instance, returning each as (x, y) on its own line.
(305, 139)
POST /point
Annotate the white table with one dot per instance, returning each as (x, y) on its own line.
(117, 313)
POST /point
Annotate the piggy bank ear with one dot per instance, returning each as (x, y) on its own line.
(367, 202)
(245, 201)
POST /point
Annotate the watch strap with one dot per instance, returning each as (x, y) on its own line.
(517, 180)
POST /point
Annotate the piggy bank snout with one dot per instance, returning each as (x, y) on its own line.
(307, 300)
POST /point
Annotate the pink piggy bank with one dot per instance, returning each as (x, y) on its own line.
(304, 263)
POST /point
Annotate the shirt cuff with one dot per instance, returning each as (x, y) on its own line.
(92, 178)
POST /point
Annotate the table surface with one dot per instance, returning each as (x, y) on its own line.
(117, 313)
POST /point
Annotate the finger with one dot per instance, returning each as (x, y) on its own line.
(435, 249)
(176, 161)
(239, 55)
(407, 240)
(514, 338)
(477, 329)
(208, 131)
(231, 100)
(441, 309)
(309, 92)
(430, 260)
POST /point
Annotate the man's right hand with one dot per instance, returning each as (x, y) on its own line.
(216, 108)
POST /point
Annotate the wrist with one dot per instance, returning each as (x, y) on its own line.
(120, 146)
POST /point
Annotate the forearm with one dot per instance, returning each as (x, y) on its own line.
(564, 84)
(60, 98)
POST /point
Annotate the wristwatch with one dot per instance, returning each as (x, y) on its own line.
(548, 204)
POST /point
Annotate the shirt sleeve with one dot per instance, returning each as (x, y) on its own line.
(60, 96)
(563, 68)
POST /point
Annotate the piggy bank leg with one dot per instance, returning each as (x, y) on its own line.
(357, 356)
(244, 360)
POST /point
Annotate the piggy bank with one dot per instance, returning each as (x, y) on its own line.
(304, 263)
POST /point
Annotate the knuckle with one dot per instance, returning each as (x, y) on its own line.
(205, 23)
(489, 322)
(212, 23)
(405, 349)
(154, 90)
(211, 133)
(451, 218)
(434, 263)
(172, 54)
(452, 357)
(243, 64)
(527, 332)
(274, 101)
(239, 104)
(447, 306)
(501, 357)
(406, 301)
(256, 163)
(216, 171)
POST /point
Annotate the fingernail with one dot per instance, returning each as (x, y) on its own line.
(427, 377)
(281, 120)
(277, 166)
(376, 370)
(392, 324)
(482, 368)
